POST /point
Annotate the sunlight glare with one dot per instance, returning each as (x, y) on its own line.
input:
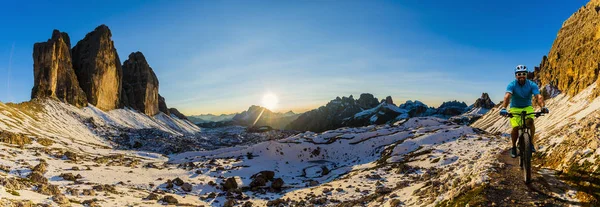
(270, 101)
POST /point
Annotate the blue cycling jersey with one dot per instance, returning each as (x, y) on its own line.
(521, 94)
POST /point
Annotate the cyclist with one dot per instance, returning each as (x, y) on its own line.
(518, 94)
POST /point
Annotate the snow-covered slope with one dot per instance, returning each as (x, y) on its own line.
(420, 161)
(85, 127)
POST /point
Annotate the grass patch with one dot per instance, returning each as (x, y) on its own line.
(13, 192)
(473, 197)
(45, 142)
(14, 138)
(29, 108)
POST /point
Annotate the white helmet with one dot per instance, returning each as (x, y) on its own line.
(521, 68)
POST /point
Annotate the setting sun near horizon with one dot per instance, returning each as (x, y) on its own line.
(270, 101)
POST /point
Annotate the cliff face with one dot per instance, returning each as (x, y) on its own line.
(573, 62)
(98, 69)
(162, 105)
(53, 72)
(140, 85)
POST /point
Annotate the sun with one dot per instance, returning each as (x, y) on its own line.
(270, 101)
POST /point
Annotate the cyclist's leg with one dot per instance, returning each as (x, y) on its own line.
(515, 122)
(514, 135)
(531, 129)
(531, 125)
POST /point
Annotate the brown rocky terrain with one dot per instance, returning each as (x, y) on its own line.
(140, 85)
(573, 61)
(98, 68)
(53, 72)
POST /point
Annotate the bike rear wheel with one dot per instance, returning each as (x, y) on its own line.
(526, 158)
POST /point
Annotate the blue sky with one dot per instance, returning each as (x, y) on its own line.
(223, 56)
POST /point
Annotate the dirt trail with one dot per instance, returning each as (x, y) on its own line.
(507, 187)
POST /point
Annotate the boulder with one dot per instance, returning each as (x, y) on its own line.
(266, 174)
(53, 74)
(98, 69)
(47, 189)
(178, 181)
(230, 184)
(277, 184)
(41, 167)
(61, 199)
(37, 177)
(186, 187)
(89, 192)
(140, 85)
(170, 200)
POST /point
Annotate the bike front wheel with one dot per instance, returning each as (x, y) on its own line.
(526, 158)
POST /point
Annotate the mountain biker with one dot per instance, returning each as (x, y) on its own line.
(518, 94)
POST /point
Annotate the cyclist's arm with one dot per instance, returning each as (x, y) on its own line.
(506, 100)
(540, 100)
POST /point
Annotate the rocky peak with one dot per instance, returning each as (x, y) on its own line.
(573, 62)
(140, 85)
(98, 68)
(484, 102)
(53, 72)
(452, 108)
(416, 108)
(367, 101)
(389, 100)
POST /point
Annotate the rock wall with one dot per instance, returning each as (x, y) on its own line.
(98, 69)
(573, 62)
(53, 72)
(140, 85)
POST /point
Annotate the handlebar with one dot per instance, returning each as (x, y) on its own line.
(537, 114)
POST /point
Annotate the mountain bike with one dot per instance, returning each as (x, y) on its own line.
(524, 145)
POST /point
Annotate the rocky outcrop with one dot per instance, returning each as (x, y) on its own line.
(162, 105)
(474, 112)
(367, 101)
(417, 108)
(484, 102)
(178, 114)
(573, 62)
(381, 114)
(140, 85)
(451, 108)
(53, 72)
(98, 69)
(388, 100)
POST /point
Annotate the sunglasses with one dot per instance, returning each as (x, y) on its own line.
(521, 74)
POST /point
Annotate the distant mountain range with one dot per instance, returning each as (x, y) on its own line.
(254, 116)
(348, 112)
(260, 116)
(203, 118)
